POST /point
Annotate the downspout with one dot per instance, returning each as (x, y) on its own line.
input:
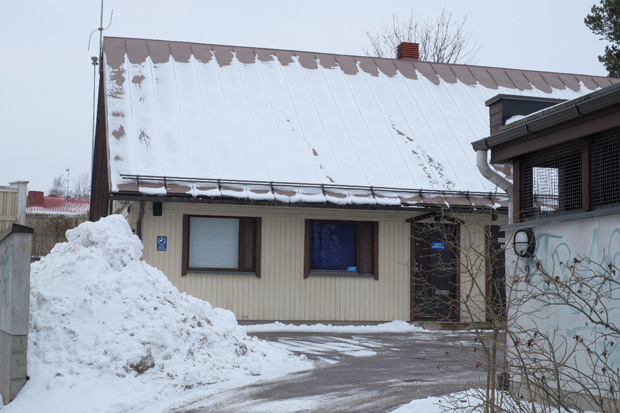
(139, 222)
(494, 177)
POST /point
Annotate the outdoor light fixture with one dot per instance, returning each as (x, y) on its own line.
(524, 243)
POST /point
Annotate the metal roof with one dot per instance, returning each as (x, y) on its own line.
(189, 117)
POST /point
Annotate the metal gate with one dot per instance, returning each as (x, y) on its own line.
(435, 271)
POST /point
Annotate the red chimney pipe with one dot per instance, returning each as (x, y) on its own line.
(407, 50)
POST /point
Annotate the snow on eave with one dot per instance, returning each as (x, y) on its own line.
(254, 192)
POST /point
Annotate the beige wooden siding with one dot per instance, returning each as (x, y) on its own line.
(473, 260)
(8, 208)
(282, 293)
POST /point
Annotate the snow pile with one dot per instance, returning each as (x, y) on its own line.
(101, 315)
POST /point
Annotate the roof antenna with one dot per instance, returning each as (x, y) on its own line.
(95, 61)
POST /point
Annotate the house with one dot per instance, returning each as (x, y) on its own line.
(50, 217)
(564, 251)
(290, 185)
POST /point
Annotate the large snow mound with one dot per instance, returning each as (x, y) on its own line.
(99, 313)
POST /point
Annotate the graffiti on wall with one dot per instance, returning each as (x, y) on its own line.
(557, 246)
(6, 269)
(554, 250)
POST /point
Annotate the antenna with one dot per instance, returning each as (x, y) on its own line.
(95, 61)
(67, 193)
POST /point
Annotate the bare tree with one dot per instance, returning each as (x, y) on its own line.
(81, 186)
(526, 346)
(59, 186)
(443, 38)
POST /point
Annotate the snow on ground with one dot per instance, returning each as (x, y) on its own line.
(110, 333)
(391, 327)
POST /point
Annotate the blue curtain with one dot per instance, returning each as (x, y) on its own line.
(334, 246)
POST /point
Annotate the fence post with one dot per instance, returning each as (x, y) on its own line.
(15, 251)
(22, 196)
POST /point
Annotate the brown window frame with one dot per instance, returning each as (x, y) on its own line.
(243, 222)
(374, 250)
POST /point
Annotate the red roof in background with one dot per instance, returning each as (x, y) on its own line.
(38, 203)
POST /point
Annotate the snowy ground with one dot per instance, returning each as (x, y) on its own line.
(109, 333)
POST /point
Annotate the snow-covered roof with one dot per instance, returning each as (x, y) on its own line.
(208, 120)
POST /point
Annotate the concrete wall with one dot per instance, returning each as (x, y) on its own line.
(15, 252)
(557, 245)
(282, 293)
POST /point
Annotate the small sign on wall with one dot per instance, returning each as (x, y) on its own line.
(162, 243)
(436, 245)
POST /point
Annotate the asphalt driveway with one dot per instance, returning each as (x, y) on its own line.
(373, 372)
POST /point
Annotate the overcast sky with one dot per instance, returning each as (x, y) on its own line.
(46, 77)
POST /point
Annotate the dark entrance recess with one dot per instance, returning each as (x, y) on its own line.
(435, 272)
(496, 275)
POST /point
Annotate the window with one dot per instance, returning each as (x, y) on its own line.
(551, 181)
(605, 169)
(221, 244)
(576, 176)
(341, 248)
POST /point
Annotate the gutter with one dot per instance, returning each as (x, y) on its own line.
(553, 116)
(495, 178)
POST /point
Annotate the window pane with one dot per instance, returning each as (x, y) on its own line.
(213, 242)
(333, 245)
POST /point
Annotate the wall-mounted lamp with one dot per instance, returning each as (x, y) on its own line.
(524, 243)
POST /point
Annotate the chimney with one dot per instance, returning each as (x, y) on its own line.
(508, 108)
(408, 51)
(35, 198)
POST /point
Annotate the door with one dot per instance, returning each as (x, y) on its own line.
(435, 268)
(496, 275)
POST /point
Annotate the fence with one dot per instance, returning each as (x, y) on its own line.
(50, 230)
(13, 204)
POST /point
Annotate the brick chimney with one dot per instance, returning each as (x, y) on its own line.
(35, 198)
(408, 51)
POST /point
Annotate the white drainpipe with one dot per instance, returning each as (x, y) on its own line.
(494, 177)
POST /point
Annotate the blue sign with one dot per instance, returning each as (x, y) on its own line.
(162, 243)
(436, 245)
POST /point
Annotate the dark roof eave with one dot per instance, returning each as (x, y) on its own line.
(136, 197)
(504, 96)
(553, 116)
